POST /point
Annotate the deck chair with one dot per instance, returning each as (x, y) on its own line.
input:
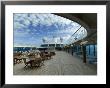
(43, 57)
(38, 60)
(27, 63)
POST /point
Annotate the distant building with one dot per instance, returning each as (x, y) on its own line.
(52, 45)
(55, 43)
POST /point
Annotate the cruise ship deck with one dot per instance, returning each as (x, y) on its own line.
(63, 63)
(70, 38)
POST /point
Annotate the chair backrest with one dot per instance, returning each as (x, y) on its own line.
(24, 59)
(31, 55)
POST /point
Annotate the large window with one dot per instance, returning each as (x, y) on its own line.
(91, 50)
(91, 53)
(34, 29)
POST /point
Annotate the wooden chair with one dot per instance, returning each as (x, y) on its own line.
(43, 56)
(27, 63)
(17, 58)
(35, 60)
(38, 59)
(47, 55)
(52, 53)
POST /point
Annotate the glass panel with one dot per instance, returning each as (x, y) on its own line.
(96, 50)
(44, 45)
(87, 50)
(57, 45)
(53, 45)
(91, 50)
(80, 34)
(35, 29)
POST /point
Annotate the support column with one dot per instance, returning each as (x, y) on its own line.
(94, 49)
(84, 53)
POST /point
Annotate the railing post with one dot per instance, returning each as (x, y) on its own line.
(84, 53)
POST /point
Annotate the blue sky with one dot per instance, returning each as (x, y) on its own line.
(31, 28)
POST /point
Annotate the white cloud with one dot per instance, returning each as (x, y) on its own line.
(44, 19)
(66, 37)
(17, 25)
(64, 27)
(26, 22)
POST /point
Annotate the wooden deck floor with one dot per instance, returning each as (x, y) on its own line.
(62, 64)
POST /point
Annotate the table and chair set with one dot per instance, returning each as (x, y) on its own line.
(32, 59)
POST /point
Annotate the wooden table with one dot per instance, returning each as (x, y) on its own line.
(32, 61)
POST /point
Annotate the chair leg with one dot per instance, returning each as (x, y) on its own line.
(26, 65)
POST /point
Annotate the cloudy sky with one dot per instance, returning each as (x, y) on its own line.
(31, 28)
